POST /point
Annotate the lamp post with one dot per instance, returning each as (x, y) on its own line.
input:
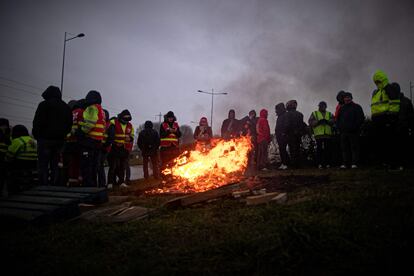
(212, 93)
(64, 50)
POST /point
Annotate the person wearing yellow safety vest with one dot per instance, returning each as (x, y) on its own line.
(385, 108)
(169, 139)
(21, 156)
(4, 144)
(90, 135)
(322, 122)
(119, 155)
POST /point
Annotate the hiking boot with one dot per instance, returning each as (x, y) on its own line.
(109, 186)
(354, 167)
(320, 166)
(328, 166)
(342, 167)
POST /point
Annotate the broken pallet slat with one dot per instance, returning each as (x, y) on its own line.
(202, 197)
(79, 196)
(260, 199)
(96, 195)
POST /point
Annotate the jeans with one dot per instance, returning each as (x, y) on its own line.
(294, 142)
(284, 156)
(262, 155)
(117, 167)
(48, 153)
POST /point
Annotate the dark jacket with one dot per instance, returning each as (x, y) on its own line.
(350, 118)
(248, 126)
(294, 123)
(406, 114)
(53, 117)
(148, 140)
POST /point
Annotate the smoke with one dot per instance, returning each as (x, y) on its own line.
(308, 51)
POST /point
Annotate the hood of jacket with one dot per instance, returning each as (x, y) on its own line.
(125, 116)
(52, 92)
(280, 109)
(148, 125)
(380, 79)
(263, 113)
(93, 97)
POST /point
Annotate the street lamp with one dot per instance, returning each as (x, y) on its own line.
(212, 93)
(64, 50)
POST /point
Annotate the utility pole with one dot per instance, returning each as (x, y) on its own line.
(159, 117)
(212, 93)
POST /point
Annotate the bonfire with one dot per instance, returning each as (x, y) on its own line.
(202, 170)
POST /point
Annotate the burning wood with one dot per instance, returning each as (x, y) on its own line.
(199, 171)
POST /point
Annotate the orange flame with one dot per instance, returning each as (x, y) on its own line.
(202, 170)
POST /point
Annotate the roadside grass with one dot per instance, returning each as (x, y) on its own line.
(357, 223)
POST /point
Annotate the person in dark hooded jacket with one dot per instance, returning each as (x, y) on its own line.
(4, 144)
(349, 123)
(51, 123)
(230, 127)
(148, 142)
(295, 128)
(281, 135)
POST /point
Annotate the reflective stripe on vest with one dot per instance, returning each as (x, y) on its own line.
(322, 129)
(122, 131)
(381, 104)
(98, 128)
(171, 139)
(26, 150)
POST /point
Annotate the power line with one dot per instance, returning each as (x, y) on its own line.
(19, 89)
(21, 83)
(30, 107)
(16, 99)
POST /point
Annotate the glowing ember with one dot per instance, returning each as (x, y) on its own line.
(198, 171)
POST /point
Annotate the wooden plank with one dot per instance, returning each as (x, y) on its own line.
(281, 198)
(27, 206)
(202, 197)
(19, 216)
(42, 200)
(97, 195)
(56, 194)
(260, 199)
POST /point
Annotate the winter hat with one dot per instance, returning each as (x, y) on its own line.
(170, 114)
(280, 108)
(19, 131)
(93, 97)
(52, 92)
(148, 125)
(322, 103)
(125, 115)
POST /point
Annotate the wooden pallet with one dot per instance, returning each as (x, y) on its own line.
(45, 204)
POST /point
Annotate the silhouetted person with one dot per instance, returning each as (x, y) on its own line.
(107, 141)
(404, 125)
(349, 122)
(4, 144)
(281, 135)
(230, 127)
(295, 128)
(263, 140)
(148, 142)
(51, 124)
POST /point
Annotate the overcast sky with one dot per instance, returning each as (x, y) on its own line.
(152, 56)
